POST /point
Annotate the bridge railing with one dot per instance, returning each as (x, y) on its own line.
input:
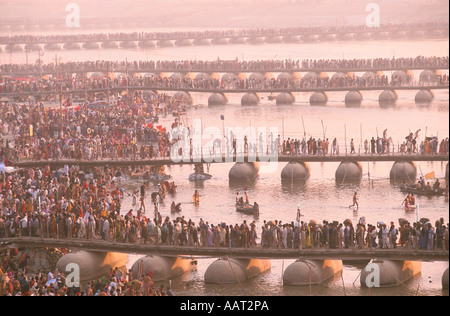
(71, 234)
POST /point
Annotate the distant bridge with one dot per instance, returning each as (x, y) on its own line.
(132, 41)
(249, 253)
(220, 69)
(225, 90)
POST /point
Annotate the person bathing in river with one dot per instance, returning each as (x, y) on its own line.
(355, 201)
(196, 198)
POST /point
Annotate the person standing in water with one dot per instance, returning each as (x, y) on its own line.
(196, 198)
(355, 201)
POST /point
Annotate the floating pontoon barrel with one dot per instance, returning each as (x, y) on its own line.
(217, 99)
(244, 171)
(348, 171)
(147, 44)
(424, 97)
(318, 98)
(202, 42)
(285, 98)
(403, 171)
(110, 45)
(387, 98)
(250, 99)
(220, 41)
(91, 45)
(231, 271)
(296, 171)
(353, 99)
(274, 39)
(183, 42)
(72, 46)
(35, 47)
(255, 40)
(161, 267)
(391, 273)
(184, 96)
(310, 272)
(92, 265)
(165, 44)
(445, 279)
(52, 46)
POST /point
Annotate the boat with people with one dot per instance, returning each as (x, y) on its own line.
(248, 209)
(421, 191)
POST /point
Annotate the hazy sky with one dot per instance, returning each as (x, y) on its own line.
(224, 13)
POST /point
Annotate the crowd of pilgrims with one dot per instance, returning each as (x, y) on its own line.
(68, 204)
(248, 32)
(223, 65)
(127, 129)
(17, 280)
(80, 84)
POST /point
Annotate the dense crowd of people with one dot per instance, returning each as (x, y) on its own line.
(42, 203)
(80, 84)
(126, 130)
(15, 280)
(225, 65)
(129, 130)
(248, 32)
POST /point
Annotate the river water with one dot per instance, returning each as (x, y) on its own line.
(320, 198)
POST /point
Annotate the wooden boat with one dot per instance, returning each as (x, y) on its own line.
(422, 191)
(247, 209)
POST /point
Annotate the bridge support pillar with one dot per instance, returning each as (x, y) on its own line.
(93, 265)
(306, 272)
(353, 99)
(217, 99)
(349, 171)
(296, 172)
(233, 270)
(391, 273)
(403, 171)
(162, 267)
(250, 99)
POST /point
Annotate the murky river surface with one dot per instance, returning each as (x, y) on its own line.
(320, 198)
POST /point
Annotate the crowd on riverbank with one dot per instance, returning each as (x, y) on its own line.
(127, 129)
(224, 65)
(17, 280)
